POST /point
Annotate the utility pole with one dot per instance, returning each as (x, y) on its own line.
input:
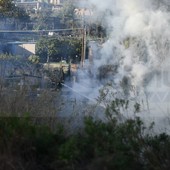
(48, 57)
(83, 53)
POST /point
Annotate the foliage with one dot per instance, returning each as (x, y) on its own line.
(58, 48)
(33, 136)
(43, 20)
(25, 145)
(6, 7)
(98, 146)
(32, 140)
(67, 14)
(34, 59)
(9, 10)
(96, 30)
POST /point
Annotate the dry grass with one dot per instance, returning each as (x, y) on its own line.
(36, 103)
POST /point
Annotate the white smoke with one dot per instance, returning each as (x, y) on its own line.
(138, 42)
(139, 31)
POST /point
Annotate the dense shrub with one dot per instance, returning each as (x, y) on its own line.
(25, 144)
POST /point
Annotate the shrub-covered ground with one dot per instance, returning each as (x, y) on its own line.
(31, 144)
(34, 137)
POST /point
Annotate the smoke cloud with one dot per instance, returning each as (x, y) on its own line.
(138, 43)
(139, 31)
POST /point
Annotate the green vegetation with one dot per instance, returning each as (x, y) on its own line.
(43, 20)
(9, 10)
(67, 15)
(59, 48)
(98, 146)
(33, 136)
(34, 59)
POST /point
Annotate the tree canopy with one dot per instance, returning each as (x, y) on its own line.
(59, 48)
(67, 15)
(9, 10)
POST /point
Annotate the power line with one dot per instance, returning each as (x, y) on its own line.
(39, 31)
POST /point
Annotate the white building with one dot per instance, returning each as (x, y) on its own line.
(55, 2)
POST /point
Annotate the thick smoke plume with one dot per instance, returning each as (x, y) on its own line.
(139, 36)
(138, 43)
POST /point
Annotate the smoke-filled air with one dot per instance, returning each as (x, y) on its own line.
(138, 45)
(85, 84)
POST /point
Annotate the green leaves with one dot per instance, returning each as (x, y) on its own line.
(99, 145)
(8, 9)
(58, 48)
(34, 59)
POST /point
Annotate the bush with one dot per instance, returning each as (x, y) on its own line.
(100, 145)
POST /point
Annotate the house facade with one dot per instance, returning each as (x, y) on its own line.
(24, 49)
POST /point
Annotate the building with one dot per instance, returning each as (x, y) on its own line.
(24, 49)
(83, 12)
(55, 2)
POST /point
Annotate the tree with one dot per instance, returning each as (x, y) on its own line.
(67, 14)
(33, 59)
(43, 20)
(9, 10)
(58, 48)
(42, 49)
